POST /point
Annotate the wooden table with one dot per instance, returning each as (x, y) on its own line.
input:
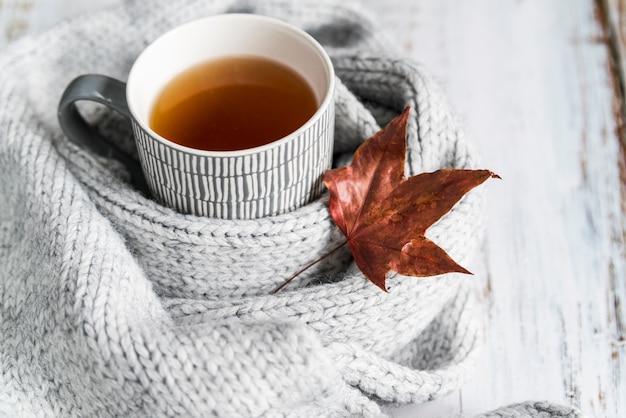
(539, 86)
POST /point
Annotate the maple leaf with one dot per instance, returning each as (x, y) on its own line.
(384, 215)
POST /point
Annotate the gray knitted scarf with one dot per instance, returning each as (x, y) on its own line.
(112, 305)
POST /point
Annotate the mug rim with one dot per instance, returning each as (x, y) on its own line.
(321, 108)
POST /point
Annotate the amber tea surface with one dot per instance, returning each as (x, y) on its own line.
(232, 104)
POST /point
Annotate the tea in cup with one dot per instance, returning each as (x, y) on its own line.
(232, 115)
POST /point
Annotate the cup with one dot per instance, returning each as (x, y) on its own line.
(264, 180)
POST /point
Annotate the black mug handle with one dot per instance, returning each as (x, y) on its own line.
(109, 92)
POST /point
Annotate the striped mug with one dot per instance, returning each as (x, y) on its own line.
(265, 180)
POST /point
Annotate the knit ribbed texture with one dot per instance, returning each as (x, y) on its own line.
(112, 305)
(533, 410)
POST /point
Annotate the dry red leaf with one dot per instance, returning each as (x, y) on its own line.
(384, 215)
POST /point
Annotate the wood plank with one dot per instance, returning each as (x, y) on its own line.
(531, 81)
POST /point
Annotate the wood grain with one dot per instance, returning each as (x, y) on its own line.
(540, 87)
(534, 84)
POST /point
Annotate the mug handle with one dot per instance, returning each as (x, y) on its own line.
(111, 93)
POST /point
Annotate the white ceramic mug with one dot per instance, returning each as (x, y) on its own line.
(267, 180)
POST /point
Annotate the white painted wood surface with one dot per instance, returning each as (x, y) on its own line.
(539, 86)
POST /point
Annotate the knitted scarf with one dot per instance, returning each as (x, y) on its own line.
(112, 305)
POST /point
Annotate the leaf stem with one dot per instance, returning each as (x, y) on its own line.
(328, 254)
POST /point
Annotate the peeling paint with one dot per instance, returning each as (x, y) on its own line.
(15, 29)
(16, 24)
(24, 6)
(612, 38)
(616, 302)
(568, 370)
